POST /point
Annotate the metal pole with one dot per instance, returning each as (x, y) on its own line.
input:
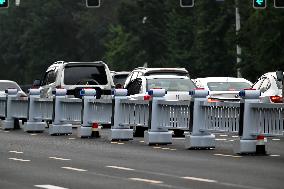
(238, 27)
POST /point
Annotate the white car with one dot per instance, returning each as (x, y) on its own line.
(119, 78)
(270, 88)
(74, 76)
(177, 87)
(7, 84)
(223, 88)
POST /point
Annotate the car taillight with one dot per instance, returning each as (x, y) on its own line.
(213, 100)
(276, 99)
(147, 97)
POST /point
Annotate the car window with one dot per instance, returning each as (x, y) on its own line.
(4, 86)
(49, 77)
(134, 86)
(85, 74)
(227, 86)
(119, 79)
(171, 84)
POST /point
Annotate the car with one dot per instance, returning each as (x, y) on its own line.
(223, 88)
(142, 71)
(7, 84)
(177, 88)
(74, 76)
(270, 88)
(119, 78)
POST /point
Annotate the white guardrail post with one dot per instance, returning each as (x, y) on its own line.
(156, 134)
(58, 127)
(247, 143)
(86, 128)
(33, 123)
(119, 131)
(8, 123)
(199, 138)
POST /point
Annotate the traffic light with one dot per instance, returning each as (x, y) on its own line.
(186, 3)
(279, 3)
(4, 3)
(259, 4)
(92, 3)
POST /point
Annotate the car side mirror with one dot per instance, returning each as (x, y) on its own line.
(279, 75)
(36, 83)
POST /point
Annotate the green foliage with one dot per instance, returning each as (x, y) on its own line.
(127, 34)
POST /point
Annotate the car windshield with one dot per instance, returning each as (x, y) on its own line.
(171, 84)
(4, 86)
(85, 74)
(227, 86)
(119, 79)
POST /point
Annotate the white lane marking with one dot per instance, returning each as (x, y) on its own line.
(156, 147)
(173, 149)
(6, 131)
(223, 135)
(47, 186)
(226, 155)
(113, 142)
(235, 136)
(147, 180)
(120, 143)
(122, 168)
(73, 169)
(165, 148)
(16, 152)
(33, 134)
(276, 139)
(274, 155)
(200, 179)
(57, 158)
(71, 138)
(231, 140)
(220, 139)
(17, 159)
(141, 141)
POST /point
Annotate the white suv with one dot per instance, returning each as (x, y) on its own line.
(74, 76)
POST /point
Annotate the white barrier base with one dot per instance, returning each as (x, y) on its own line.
(7, 124)
(60, 129)
(157, 137)
(206, 141)
(34, 126)
(245, 146)
(84, 132)
(121, 134)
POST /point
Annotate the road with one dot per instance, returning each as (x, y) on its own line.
(58, 162)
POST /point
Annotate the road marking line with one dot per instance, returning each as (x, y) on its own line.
(16, 159)
(47, 186)
(120, 143)
(147, 180)
(6, 131)
(33, 134)
(231, 140)
(274, 155)
(141, 141)
(156, 147)
(73, 169)
(223, 135)
(226, 155)
(63, 159)
(122, 168)
(235, 136)
(16, 152)
(220, 139)
(200, 179)
(173, 149)
(165, 148)
(276, 139)
(113, 142)
(71, 138)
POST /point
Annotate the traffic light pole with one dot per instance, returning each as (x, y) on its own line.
(238, 27)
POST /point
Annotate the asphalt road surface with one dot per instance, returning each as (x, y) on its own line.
(58, 162)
